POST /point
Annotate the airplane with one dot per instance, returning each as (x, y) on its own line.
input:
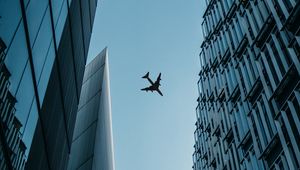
(154, 86)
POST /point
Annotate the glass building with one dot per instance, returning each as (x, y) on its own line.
(92, 146)
(248, 113)
(43, 51)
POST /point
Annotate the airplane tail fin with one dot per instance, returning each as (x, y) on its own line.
(146, 76)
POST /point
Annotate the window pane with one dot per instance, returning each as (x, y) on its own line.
(10, 12)
(56, 8)
(35, 13)
(29, 127)
(42, 45)
(59, 25)
(46, 72)
(16, 59)
(24, 96)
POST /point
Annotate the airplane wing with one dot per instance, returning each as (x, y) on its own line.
(147, 88)
(159, 92)
(158, 79)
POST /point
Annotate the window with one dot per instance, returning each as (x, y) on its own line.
(10, 12)
(24, 95)
(17, 58)
(42, 45)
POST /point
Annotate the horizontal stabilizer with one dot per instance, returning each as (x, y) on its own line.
(146, 76)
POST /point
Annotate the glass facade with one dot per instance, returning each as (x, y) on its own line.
(92, 146)
(44, 45)
(248, 113)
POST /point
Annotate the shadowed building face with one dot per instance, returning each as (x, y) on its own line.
(46, 48)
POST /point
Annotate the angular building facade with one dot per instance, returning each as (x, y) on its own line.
(43, 51)
(92, 146)
(248, 113)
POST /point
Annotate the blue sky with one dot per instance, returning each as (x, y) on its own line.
(151, 132)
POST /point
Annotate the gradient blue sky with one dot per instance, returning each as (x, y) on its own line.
(151, 132)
